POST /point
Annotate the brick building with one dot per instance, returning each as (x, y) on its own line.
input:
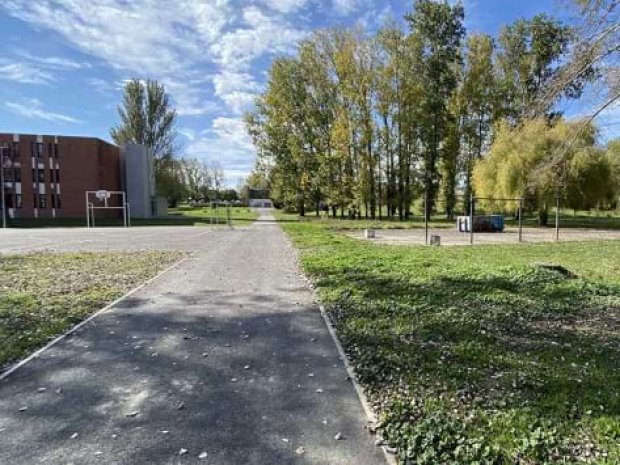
(47, 176)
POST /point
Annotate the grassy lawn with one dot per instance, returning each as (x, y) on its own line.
(181, 216)
(44, 294)
(568, 219)
(202, 215)
(478, 354)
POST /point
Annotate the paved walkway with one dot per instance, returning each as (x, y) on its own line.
(225, 356)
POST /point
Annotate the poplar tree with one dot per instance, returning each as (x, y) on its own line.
(439, 26)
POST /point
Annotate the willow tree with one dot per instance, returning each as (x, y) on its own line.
(521, 164)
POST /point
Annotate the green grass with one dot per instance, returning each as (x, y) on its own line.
(568, 219)
(180, 216)
(202, 215)
(478, 354)
(44, 294)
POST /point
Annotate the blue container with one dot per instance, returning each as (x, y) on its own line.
(497, 222)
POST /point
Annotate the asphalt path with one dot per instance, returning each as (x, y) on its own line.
(223, 360)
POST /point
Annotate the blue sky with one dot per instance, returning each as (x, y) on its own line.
(63, 62)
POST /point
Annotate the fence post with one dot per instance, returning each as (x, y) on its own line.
(557, 217)
(426, 218)
(87, 211)
(521, 219)
(471, 219)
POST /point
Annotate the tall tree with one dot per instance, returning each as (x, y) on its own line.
(148, 118)
(440, 28)
(529, 61)
(478, 101)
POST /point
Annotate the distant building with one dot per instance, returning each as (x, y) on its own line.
(259, 198)
(48, 176)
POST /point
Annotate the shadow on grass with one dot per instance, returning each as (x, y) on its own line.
(535, 343)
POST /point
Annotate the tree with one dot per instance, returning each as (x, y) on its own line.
(529, 61)
(478, 101)
(613, 158)
(519, 165)
(439, 26)
(170, 181)
(147, 118)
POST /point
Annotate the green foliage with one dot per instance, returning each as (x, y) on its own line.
(369, 124)
(538, 160)
(529, 61)
(146, 118)
(202, 216)
(477, 355)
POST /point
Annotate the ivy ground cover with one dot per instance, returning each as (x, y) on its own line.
(479, 355)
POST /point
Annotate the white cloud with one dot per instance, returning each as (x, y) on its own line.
(55, 63)
(168, 41)
(286, 6)
(202, 50)
(262, 35)
(226, 142)
(237, 90)
(23, 73)
(346, 7)
(33, 108)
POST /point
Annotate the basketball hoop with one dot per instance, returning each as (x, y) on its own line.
(102, 195)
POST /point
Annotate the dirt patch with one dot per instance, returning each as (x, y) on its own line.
(509, 236)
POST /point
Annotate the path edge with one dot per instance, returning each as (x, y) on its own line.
(370, 414)
(101, 311)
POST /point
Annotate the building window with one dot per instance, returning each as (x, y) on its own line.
(8, 175)
(15, 150)
(55, 176)
(56, 150)
(17, 175)
(8, 199)
(38, 175)
(50, 149)
(40, 201)
(18, 201)
(56, 201)
(37, 149)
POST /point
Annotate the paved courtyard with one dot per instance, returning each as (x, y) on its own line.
(191, 238)
(223, 360)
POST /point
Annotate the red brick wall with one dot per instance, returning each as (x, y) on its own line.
(84, 163)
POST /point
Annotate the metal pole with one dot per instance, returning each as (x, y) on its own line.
(471, 220)
(2, 187)
(128, 214)
(426, 218)
(87, 212)
(521, 220)
(557, 217)
(124, 215)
